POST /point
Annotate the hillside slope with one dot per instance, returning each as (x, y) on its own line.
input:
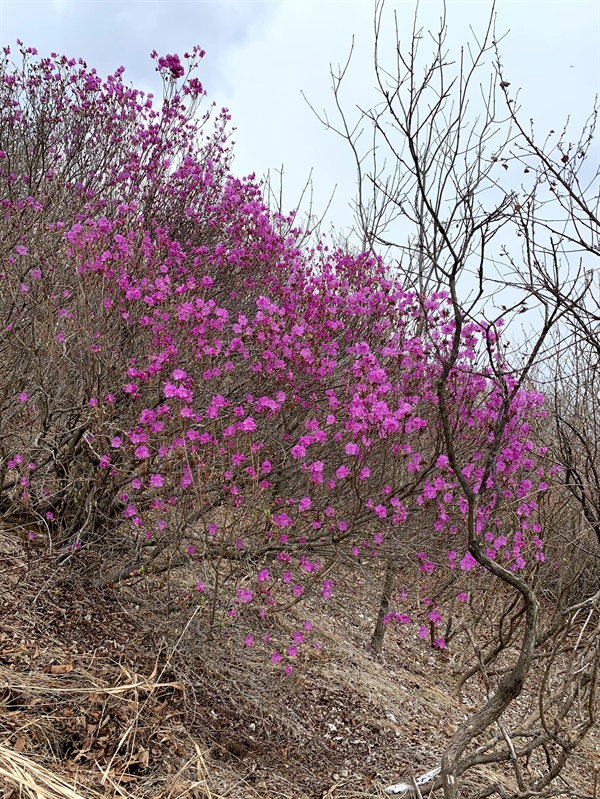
(105, 693)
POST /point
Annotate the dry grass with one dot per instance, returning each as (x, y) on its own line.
(35, 781)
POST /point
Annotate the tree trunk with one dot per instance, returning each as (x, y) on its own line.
(508, 689)
(384, 608)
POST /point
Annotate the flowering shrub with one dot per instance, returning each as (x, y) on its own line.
(178, 368)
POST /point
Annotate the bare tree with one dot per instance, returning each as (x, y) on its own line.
(434, 183)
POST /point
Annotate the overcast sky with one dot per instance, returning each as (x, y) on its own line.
(261, 57)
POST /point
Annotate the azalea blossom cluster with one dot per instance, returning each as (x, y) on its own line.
(179, 367)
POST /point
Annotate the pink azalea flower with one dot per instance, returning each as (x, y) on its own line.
(316, 471)
(468, 562)
(248, 425)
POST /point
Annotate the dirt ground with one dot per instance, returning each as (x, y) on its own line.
(103, 693)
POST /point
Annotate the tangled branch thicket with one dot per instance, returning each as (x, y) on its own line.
(189, 386)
